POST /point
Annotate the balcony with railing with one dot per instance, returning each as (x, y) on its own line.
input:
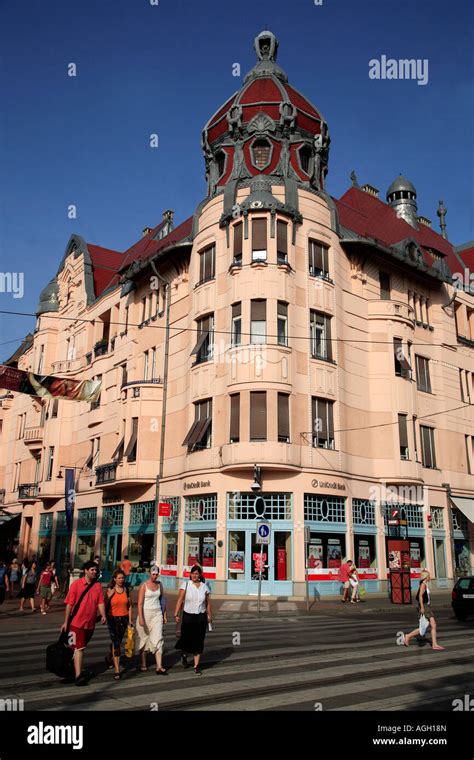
(391, 309)
(28, 491)
(101, 348)
(34, 435)
(106, 473)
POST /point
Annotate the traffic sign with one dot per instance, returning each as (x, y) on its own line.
(263, 532)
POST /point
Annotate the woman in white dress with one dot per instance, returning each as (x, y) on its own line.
(151, 616)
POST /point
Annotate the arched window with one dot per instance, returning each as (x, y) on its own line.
(305, 154)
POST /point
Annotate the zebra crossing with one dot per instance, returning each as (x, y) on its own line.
(307, 663)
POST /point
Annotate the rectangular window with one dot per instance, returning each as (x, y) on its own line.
(318, 259)
(259, 240)
(415, 444)
(54, 410)
(237, 260)
(282, 323)
(403, 434)
(461, 384)
(152, 363)
(199, 435)
(320, 333)
(282, 242)
(145, 365)
(402, 365)
(131, 450)
(49, 473)
(258, 321)
(468, 442)
(323, 423)
(427, 447)
(236, 324)
(258, 416)
(207, 264)
(205, 339)
(126, 321)
(384, 280)
(235, 418)
(40, 360)
(124, 378)
(422, 374)
(284, 417)
(143, 309)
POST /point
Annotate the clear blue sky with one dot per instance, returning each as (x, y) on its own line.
(143, 69)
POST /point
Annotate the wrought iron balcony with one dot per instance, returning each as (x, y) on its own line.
(106, 473)
(27, 491)
(101, 348)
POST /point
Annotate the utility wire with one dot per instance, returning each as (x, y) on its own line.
(223, 332)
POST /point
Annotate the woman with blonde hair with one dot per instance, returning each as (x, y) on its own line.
(151, 616)
(424, 609)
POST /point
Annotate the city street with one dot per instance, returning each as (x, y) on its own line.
(337, 658)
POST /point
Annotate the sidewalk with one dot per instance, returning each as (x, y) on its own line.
(230, 607)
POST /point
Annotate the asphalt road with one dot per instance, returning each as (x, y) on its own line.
(341, 659)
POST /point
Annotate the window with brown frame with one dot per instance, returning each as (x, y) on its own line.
(258, 416)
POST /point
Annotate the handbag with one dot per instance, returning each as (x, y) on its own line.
(424, 625)
(130, 643)
(59, 655)
(362, 591)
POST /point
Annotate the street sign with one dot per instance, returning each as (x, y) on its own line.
(263, 532)
(164, 509)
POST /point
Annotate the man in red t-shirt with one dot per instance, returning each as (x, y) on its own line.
(344, 574)
(83, 624)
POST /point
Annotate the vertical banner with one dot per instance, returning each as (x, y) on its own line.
(69, 497)
(334, 552)
(364, 554)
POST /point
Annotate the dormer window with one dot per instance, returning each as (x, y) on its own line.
(220, 160)
(305, 154)
(261, 153)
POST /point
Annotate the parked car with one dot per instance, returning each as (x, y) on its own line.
(463, 597)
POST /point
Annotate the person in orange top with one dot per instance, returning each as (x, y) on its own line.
(126, 566)
(118, 609)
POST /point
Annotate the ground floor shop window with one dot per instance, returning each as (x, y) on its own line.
(44, 550)
(85, 550)
(463, 556)
(282, 555)
(326, 551)
(111, 551)
(236, 555)
(140, 549)
(169, 552)
(200, 549)
(365, 555)
(417, 554)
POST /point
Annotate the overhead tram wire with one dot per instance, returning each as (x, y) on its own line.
(142, 326)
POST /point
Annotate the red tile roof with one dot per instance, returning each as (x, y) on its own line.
(146, 247)
(104, 263)
(370, 217)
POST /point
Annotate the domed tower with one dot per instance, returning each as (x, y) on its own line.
(267, 133)
(401, 195)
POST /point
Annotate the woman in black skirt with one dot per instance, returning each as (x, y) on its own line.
(195, 598)
(28, 586)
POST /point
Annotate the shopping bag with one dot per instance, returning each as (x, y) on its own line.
(59, 658)
(424, 625)
(362, 591)
(130, 643)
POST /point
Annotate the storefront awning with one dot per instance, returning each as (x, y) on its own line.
(6, 517)
(465, 505)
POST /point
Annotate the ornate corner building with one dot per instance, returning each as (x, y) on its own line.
(281, 354)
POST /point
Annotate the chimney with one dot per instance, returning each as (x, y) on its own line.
(370, 189)
(167, 223)
(424, 220)
(168, 216)
(146, 231)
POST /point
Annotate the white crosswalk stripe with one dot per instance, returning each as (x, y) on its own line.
(281, 663)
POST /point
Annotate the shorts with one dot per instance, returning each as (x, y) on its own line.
(428, 611)
(45, 593)
(81, 637)
(346, 584)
